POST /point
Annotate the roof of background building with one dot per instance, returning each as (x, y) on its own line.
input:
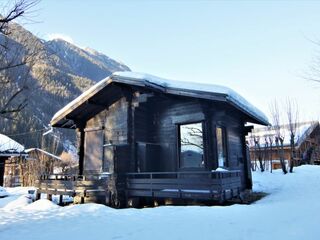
(304, 129)
(9, 147)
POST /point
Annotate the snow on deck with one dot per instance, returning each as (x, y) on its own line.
(8, 145)
(290, 211)
(147, 79)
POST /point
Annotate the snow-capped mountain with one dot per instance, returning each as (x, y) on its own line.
(62, 72)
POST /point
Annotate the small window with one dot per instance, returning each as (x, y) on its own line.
(191, 145)
(221, 146)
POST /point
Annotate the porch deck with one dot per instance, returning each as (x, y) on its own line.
(204, 185)
(219, 186)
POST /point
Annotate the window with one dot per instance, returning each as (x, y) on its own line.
(191, 145)
(221, 146)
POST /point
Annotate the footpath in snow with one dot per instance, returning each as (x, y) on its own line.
(290, 211)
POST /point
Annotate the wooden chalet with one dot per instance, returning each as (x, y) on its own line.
(144, 138)
(8, 148)
(306, 144)
(24, 170)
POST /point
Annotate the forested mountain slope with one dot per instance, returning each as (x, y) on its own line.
(60, 73)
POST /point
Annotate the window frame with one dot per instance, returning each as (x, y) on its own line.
(224, 146)
(179, 163)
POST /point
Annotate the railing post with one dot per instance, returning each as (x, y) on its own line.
(38, 195)
(49, 197)
(61, 200)
(179, 184)
(151, 186)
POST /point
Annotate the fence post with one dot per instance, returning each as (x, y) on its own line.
(61, 200)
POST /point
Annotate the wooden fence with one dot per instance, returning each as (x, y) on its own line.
(92, 187)
(218, 186)
(204, 185)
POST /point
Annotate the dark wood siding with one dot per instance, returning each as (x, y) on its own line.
(93, 154)
(103, 132)
(146, 125)
(156, 122)
(156, 130)
(2, 165)
(234, 130)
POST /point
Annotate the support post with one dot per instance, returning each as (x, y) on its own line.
(81, 150)
(131, 133)
(246, 157)
(209, 138)
(38, 195)
(61, 200)
(49, 197)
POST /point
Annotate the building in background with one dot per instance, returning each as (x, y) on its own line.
(263, 145)
(8, 148)
(24, 170)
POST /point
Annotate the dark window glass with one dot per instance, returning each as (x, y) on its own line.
(221, 146)
(191, 145)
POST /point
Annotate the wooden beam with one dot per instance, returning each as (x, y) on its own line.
(247, 129)
(67, 121)
(98, 104)
(81, 150)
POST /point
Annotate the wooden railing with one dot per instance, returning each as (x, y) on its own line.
(72, 185)
(205, 185)
(216, 185)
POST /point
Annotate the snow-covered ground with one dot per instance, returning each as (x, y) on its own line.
(290, 211)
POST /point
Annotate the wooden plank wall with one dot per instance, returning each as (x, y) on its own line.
(155, 122)
(111, 129)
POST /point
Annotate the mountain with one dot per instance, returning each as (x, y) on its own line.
(86, 63)
(60, 73)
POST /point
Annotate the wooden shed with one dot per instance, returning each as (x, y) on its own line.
(143, 137)
(23, 170)
(8, 148)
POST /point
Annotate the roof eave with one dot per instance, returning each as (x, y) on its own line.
(77, 102)
(258, 120)
(17, 154)
(62, 118)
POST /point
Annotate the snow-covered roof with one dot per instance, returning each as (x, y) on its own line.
(303, 130)
(191, 89)
(43, 151)
(8, 146)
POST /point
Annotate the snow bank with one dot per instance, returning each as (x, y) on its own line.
(3, 192)
(290, 211)
(20, 202)
(19, 190)
(41, 205)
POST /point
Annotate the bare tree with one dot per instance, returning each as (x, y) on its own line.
(193, 138)
(17, 56)
(266, 153)
(292, 117)
(279, 137)
(258, 148)
(270, 145)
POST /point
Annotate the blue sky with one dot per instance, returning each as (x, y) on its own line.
(261, 49)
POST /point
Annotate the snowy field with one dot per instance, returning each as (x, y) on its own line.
(290, 211)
